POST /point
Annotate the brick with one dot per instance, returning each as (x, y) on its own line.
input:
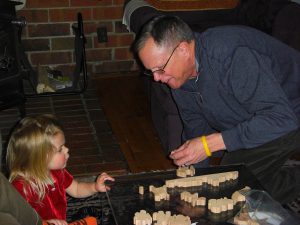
(83, 130)
(106, 139)
(114, 66)
(34, 16)
(78, 123)
(38, 100)
(71, 119)
(74, 102)
(79, 138)
(93, 106)
(37, 105)
(46, 58)
(66, 69)
(108, 13)
(66, 98)
(96, 114)
(117, 156)
(102, 127)
(120, 28)
(24, 33)
(119, 40)
(107, 24)
(71, 111)
(123, 54)
(76, 109)
(63, 15)
(46, 3)
(89, 42)
(118, 2)
(36, 44)
(81, 3)
(45, 30)
(38, 111)
(93, 55)
(65, 43)
(90, 94)
(77, 149)
(91, 27)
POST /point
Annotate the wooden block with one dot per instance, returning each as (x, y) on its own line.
(192, 198)
(184, 171)
(238, 197)
(179, 220)
(212, 179)
(220, 205)
(201, 201)
(141, 190)
(160, 193)
(142, 218)
(161, 218)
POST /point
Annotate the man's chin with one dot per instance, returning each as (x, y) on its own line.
(174, 85)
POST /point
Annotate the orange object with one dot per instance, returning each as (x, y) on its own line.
(86, 221)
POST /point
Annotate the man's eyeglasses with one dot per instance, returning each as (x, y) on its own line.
(161, 70)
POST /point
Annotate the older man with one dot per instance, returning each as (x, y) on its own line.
(237, 89)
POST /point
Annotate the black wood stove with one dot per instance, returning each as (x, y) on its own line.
(11, 72)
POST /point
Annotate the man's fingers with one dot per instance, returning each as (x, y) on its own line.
(177, 155)
(179, 162)
(182, 147)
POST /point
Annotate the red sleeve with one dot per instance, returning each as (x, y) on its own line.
(68, 179)
(63, 177)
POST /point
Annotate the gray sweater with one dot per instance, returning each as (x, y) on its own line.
(248, 88)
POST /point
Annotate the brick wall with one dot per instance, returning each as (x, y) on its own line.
(48, 38)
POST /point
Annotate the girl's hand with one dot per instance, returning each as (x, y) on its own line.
(57, 222)
(100, 185)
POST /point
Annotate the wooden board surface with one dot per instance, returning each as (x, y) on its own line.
(127, 110)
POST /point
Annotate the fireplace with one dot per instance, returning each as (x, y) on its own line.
(11, 85)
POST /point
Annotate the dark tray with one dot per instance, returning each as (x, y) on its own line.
(126, 199)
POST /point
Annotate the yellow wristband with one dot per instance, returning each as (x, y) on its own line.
(207, 151)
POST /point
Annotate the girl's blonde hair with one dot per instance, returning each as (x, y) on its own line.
(29, 151)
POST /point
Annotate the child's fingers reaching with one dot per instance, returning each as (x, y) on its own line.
(55, 222)
(100, 183)
(104, 177)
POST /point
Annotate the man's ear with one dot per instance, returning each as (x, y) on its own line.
(184, 48)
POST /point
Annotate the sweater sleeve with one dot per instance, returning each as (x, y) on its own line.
(251, 81)
(194, 122)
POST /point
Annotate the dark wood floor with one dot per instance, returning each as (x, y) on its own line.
(127, 110)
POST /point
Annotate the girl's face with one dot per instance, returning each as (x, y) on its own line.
(61, 155)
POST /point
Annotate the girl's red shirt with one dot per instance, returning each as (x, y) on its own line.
(54, 204)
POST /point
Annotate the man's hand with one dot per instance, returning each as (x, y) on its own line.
(189, 153)
(192, 151)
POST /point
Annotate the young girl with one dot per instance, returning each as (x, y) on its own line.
(37, 157)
